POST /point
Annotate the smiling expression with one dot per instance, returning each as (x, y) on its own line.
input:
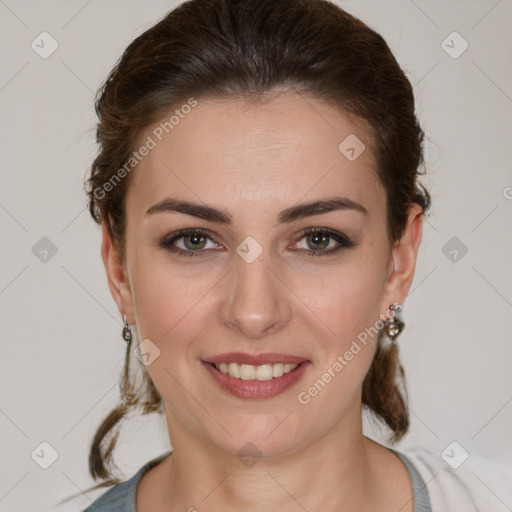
(248, 182)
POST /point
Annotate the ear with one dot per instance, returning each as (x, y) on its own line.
(403, 258)
(117, 276)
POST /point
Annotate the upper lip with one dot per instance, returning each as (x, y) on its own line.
(242, 358)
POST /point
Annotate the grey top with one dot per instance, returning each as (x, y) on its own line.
(121, 498)
(421, 498)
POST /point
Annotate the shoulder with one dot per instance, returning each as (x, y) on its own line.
(478, 484)
(121, 497)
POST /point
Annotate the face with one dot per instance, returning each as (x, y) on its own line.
(250, 278)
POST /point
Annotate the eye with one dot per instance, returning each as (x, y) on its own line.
(322, 239)
(195, 239)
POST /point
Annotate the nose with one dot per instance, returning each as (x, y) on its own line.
(256, 304)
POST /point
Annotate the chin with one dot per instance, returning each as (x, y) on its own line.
(261, 436)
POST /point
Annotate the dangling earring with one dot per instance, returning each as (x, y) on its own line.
(127, 333)
(127, 393)
(393, 327)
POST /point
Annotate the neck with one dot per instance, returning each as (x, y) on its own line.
(336, 472)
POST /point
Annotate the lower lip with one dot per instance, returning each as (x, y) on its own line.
(256, 389)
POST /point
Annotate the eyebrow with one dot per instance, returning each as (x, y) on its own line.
(287, 215)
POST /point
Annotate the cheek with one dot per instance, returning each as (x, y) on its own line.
(167, 302)
(173, 312)
(351, 310)
(349, 303)
(350, 298)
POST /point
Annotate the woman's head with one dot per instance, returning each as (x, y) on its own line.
(253, 109)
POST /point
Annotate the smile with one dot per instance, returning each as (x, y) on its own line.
(261, 372)
(256, 382)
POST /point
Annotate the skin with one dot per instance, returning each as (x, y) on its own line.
(253, 161)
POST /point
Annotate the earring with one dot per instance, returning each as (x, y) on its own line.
(393, 326)
(127, 333)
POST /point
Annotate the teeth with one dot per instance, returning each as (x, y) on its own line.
(277, 369)
(251, 372)
(233, 369)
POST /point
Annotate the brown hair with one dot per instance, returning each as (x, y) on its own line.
(251, 50)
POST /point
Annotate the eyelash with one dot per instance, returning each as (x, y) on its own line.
(166, 242)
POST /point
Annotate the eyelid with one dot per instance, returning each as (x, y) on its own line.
(341, 239)
(168, 240)
(331, 232)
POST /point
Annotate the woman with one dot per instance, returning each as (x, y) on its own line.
(257, 187)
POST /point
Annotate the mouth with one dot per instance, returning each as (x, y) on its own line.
(260, 372)
(256, 381)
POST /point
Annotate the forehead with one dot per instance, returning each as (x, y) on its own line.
(261, 156)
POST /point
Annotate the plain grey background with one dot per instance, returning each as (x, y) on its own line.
(62, 350)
